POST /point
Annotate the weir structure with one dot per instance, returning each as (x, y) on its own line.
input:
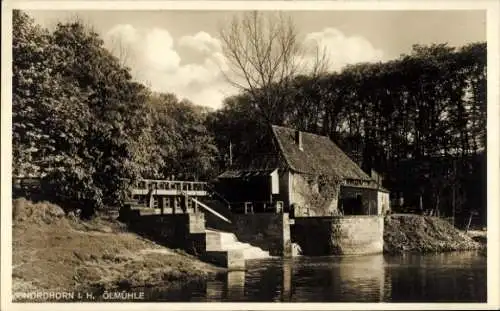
(189, 216)
(192, 216)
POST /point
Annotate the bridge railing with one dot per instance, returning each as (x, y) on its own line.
(146, 184)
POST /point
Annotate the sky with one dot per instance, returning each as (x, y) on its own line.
(179, 51)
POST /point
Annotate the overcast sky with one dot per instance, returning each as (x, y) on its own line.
(178, 51)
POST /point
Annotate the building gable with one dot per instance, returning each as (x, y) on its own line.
(316, 155)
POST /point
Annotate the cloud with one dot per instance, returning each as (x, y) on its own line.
(157, 63)
(153, 55)
(159, 51)
(125, 32)
(341, 50)
(201, 41)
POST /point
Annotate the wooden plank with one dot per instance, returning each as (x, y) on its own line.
(211, 210)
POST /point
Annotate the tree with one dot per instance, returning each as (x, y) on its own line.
(408, 119)
(264, 54)
(79, 121)
(186, 148)
(117, 142)
(44, 104)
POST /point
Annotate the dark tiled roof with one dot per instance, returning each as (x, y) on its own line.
(240, 173)
(320, 155)
(256, 163)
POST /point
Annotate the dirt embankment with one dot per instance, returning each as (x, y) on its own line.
(52, 251)
(424, 234)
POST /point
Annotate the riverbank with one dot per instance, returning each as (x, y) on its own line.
(52, 251)
(424, 234)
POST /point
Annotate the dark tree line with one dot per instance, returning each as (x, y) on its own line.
(419, 120)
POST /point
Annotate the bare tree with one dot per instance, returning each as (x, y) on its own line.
(264, 55)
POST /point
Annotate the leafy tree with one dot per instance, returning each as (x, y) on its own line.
(78, 117)
(186, 147)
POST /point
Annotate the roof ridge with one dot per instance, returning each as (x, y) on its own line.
(284, 140)
(304, 132)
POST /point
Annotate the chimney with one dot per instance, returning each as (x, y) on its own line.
(298, 139)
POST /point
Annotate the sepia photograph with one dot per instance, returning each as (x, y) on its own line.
(248, 155)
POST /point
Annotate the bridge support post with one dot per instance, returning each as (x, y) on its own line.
(184, 202)
(161, 204)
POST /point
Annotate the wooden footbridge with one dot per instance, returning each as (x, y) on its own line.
(169, 188)
(151, 196)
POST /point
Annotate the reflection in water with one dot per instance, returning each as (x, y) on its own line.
(438, 277)
(341, 279)
(409, 278)
(361, 278)
(230, 287)
(286, 283)
(235, 285)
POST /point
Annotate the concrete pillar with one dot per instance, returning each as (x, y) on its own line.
(287, 240)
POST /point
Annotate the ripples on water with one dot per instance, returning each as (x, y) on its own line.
(446, 277)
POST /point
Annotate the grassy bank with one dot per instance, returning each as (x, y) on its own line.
(52, 251)
(423, 234)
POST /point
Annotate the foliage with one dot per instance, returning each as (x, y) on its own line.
(418, 120)
(186, 148)
(325, 192)
(83, 124)
(238, 124)
(50, 119)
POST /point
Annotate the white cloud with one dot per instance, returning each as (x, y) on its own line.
(201, 41)
(157, 63)
(154, 59)
(214, 94)
(341, 49)
(159, 51)
(125, 32)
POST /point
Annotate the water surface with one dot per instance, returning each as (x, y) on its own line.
(445, 277)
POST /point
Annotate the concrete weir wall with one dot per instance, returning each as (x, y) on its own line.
(270, 232)
(339, 235)
(184, 231)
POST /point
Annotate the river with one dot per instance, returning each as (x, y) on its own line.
(444, 277)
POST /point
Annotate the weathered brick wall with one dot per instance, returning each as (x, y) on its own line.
(303, 196)
(357, 235)
(298, 196)
(348, 235)
(383, 202)
(268, 231)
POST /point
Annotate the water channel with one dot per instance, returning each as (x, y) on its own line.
(444, 277)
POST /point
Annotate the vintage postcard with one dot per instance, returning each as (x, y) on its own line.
(249, 155)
